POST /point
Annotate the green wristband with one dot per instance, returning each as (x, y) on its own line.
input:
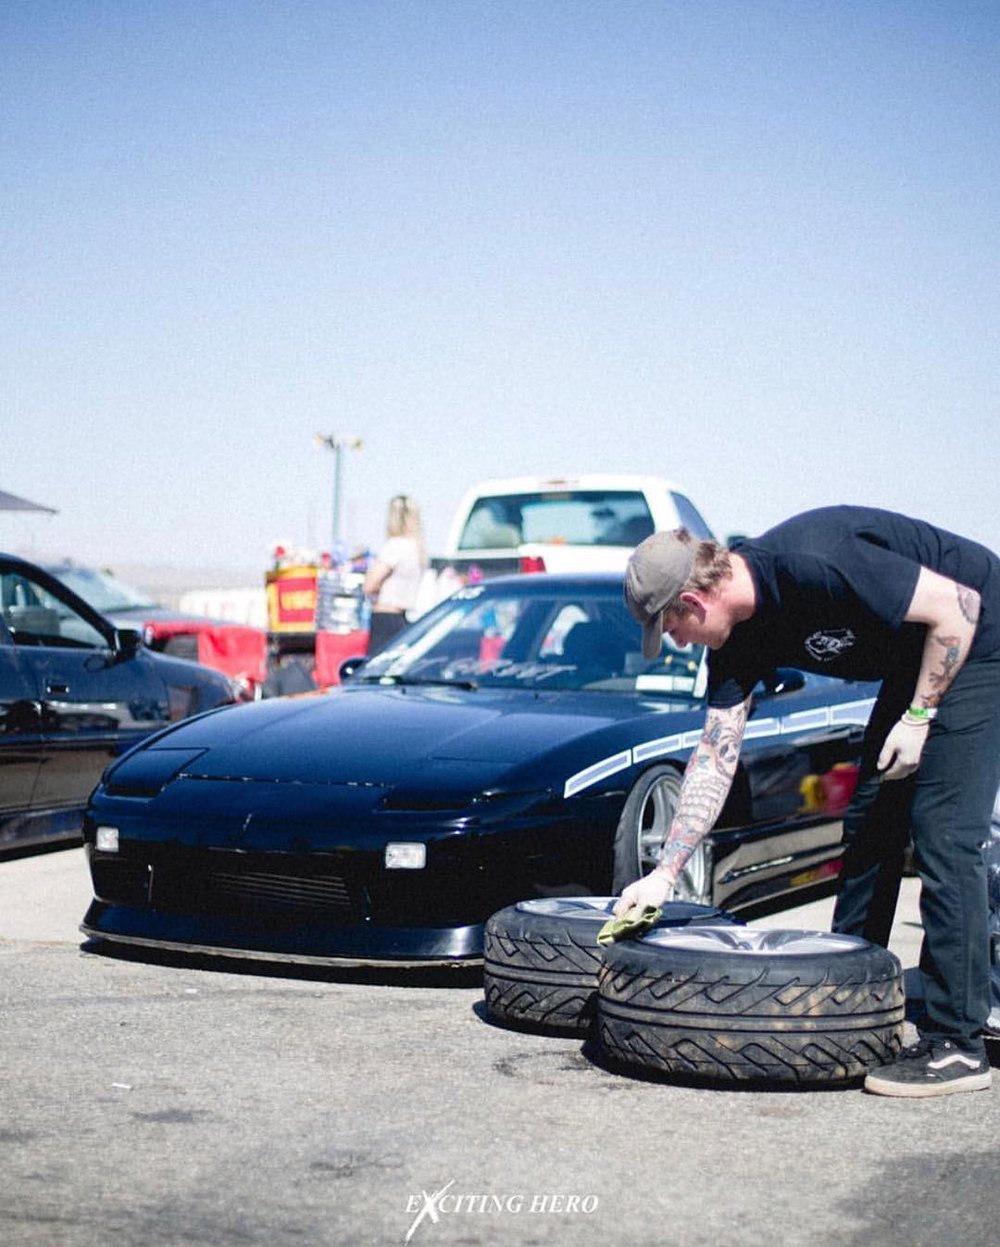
(922, 712)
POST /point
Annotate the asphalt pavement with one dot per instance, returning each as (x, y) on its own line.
(164, 1103)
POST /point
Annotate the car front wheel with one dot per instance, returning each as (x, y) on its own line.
(645, 820)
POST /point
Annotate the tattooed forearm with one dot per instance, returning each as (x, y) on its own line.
(707, 781)
(723, 737)
(968, 603)
(699, 807)
(949, 611)
(940, 678)
(701, 799)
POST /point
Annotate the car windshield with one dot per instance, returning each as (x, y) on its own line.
(573, 517)
(101, 590)
(503, 637)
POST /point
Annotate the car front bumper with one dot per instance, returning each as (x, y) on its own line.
(345, 946)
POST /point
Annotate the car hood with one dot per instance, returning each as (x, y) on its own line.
(384, 736)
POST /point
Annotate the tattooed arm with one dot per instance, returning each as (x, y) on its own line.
(951, 613)
(707, 780)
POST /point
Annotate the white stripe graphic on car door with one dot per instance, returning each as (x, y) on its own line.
(849, 712)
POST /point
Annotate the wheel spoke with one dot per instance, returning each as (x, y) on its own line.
(654, 822)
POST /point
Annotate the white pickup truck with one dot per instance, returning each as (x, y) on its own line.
(581, 523)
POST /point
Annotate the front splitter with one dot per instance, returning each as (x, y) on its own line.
(202, 935)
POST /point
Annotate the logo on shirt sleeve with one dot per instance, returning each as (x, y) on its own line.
(829, 645)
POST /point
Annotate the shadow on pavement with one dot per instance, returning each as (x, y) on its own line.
(386, 976)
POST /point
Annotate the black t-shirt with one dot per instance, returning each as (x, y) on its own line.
(833, 587)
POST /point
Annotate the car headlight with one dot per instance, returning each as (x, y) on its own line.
(405, 855)
(106, 839)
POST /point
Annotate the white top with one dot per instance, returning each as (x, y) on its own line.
(400, 587)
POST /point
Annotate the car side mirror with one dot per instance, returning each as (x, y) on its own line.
(125, 643)
(781, 680)
(348, 667)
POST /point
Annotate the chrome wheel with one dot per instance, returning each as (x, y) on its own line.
(695, 883)
(645, 821)
(656, 813)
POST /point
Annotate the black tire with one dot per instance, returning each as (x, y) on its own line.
(541, 959)
(727, 1004)
(645, 819)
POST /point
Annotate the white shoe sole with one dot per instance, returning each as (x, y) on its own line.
(921, 1090)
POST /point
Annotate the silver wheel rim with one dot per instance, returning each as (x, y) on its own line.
(756, 941)
(694, 883)
(654, 821)
(597, 908)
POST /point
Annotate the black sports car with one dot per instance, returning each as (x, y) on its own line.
(512, 743)
(75, 693)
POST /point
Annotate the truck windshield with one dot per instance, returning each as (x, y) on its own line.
(565, 517)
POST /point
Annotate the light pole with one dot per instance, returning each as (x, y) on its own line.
(338, 443)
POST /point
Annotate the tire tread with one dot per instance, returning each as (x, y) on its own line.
(726, 1017)
(540, 971)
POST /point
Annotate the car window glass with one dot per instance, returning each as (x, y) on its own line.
(690, 517)
(555, 638)
(528, 640)
(35, 616)
(100, 589)
(466, 628)
(590, 517)
(493, 524)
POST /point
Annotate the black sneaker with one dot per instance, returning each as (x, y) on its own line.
(932, 1067)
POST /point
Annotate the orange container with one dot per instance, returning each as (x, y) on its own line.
(291, 599)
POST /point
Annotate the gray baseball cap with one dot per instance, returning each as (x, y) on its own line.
(657, 571)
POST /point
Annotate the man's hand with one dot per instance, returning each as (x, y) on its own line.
(903, 746)
(654, 889)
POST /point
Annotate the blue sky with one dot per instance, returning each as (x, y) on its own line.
(751, 246)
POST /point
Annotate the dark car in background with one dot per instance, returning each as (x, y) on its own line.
(75, 693)
(512, 743)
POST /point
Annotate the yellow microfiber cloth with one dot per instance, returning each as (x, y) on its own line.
(633, 922)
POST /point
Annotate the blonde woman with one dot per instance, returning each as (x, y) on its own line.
(393, 579)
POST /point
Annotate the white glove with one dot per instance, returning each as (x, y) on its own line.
(654, 889)
(903, 746)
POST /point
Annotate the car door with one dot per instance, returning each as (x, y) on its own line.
(803, 747)
(20, 734)
(96, 698)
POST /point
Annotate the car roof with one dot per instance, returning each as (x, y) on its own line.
(614, 481)
(538, 584)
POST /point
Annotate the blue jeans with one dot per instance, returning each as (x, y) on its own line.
(946, 809)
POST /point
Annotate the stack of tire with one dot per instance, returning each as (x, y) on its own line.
(700, 997)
